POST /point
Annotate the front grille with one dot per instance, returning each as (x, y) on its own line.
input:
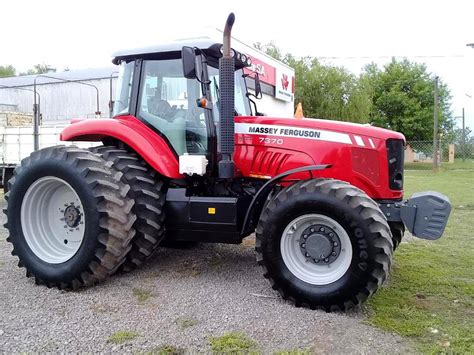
(395, 157)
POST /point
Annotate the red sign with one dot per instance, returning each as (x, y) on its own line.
(264, 70)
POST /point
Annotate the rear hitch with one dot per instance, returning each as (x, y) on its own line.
(425, 214)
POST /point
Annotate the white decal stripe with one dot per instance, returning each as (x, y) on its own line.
(371, 143)
(359, 141)
(292, 132)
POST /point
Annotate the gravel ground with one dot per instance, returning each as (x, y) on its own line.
(182, 298)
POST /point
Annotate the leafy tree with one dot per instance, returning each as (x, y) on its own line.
(402, 99)
(7, 70)
(39, 69)
(398, 96)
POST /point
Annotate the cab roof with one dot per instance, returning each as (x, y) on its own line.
(174, 46)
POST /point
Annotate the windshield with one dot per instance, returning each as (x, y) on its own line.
(242, 107)
(124, 87)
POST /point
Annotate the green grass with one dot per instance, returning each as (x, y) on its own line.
(142, 295)
(430, 295)
(457, 165)
(122, 336)
(235, 343)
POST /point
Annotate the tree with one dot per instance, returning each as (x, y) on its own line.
(7, 70)
(39, 69)
(402, 99)
(399, 96)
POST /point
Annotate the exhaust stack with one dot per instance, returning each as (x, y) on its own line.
(226, 107)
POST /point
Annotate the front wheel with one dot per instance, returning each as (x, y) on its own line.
(324, 244)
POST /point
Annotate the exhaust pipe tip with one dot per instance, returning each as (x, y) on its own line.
(230, 20)
(226, 50)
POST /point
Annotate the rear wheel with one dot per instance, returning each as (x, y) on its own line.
(148, 191)
(324, 244)
(397, 229)
(69, 217)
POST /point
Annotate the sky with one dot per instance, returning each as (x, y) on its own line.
(84, 34)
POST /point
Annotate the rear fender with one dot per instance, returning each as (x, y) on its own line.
(153, 148)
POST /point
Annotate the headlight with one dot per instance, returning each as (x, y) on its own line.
(232, 52)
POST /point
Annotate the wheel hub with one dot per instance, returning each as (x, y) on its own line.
(72, 216)
(320, 244)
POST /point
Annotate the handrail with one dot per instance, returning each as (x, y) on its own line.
(21, 88)
(37, 109)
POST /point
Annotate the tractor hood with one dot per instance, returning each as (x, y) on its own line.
(272, 126)
(368, 157)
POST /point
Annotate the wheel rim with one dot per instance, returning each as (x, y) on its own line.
(52, 220)
(328, 257)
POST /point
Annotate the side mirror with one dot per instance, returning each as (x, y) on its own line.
(188, 56)
(258, 87)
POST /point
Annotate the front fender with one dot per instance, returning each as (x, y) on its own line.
(153, 148)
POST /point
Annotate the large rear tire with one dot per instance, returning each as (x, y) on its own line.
(69, 218)
(324, 244)
(148, 191)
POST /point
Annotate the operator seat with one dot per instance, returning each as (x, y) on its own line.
(160, 114)
(159, 107)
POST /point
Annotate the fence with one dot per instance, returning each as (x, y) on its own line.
(419, 154)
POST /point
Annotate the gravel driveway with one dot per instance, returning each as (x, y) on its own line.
(182, 298)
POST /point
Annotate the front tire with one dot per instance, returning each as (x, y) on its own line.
(324, 244)
(69, 217)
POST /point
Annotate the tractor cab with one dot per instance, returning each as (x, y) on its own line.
(174, 89)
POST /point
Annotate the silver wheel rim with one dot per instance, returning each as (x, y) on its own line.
(52, 220)
(300, 266)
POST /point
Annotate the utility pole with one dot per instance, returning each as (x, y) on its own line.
(463, 137)
(435, 127)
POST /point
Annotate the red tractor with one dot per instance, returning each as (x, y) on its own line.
(184, 159)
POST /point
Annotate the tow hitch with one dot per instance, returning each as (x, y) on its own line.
(425, 214)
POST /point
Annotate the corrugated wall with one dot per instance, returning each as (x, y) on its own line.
(62, 101)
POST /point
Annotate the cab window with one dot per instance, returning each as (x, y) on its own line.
(124, 88)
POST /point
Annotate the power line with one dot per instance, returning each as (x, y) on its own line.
(393, 56)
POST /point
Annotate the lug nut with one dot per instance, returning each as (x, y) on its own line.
(335, 244)
(305, 236)
(316, 261)
(334, 253)
(321, 229)
(331, 234)
(312, 230)
(303, 245)
(307, 255)
(326, 260)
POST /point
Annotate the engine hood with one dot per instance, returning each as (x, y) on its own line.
(326, 125)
